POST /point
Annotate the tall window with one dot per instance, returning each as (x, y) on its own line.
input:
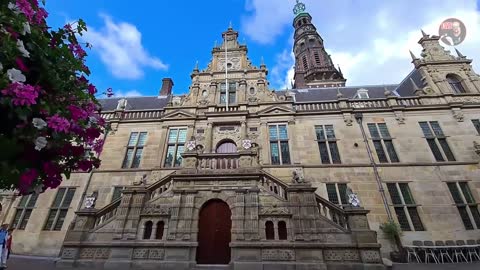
(382, 142)
(232, 93)
(476, 124)
(282, 230)
(455, 84)
(405, 207)
(269, 230)
(117, 193)
(134, 150)
(327, 144)
(435, 138)
(59, 209)
(147, 230)
(317, 58)
(280, 154)
(466, 205)
(305, 63)
(24, 210)
(176, 145)
(160, 229)
(337, 193)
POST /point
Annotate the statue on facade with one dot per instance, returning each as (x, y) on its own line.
(297, 178)
(353, 199)
(91, 200)
(141, 181)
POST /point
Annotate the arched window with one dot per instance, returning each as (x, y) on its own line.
(282, 230)
(269, 231)
(455, 84)
(160, 228)
(147, 231)
(252, 91)
(227, 147)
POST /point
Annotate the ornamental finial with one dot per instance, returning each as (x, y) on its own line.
(299, 8)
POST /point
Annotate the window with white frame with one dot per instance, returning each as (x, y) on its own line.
(24, 211)
(175, 147)
(405, 207)
(435, 138)
(59, 209)
(466, 205)
(134, 152)
(279, 150)
(362, 94)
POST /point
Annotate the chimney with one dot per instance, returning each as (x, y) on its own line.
(167, 85)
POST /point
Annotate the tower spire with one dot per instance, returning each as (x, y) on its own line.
(459, 53)
(413, 56)
(314, 67)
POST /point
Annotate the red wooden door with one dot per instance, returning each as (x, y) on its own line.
(214, 234)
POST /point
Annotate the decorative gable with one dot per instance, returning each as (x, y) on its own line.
(276, 110)
(178, 114)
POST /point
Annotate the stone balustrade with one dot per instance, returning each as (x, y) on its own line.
(219, 161)
(332, 212)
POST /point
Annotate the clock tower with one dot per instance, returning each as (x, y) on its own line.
(313, 65)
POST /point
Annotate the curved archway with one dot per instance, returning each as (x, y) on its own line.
(214, 233)
(455, 83)
(226, 146)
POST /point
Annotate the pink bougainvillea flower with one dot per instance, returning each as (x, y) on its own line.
(68, 27)
(58, 123)
(20, 64)
(26, 8)
(53, 175)
(77, 50)
(92, 90)
(22, 94)
(91, 134)
(85, 165)
(26, 180)
(41, 15)
(77, 113)
(98, 146)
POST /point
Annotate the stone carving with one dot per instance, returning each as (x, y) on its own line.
(140, 253)
(476, 147)
(274, 210)
(400, 117)
(87, 253)
(359, 222)
(102, 253)
(341, 255)
(297, 177)
(348, 119)
(156, 254)
(190, 145)
(466, 99)
(278, 255)
(353, 199)
(69, 253)
(90, 202)
(156, 209)
(371, 256)
(190, 162)
(140, 180)
(247, 144)
(458, 114)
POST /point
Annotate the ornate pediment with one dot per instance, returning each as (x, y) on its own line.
(178, 114)
(274, 211)
(276, 110)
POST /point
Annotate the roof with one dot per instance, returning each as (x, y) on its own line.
(135, 103)
(330, 93)
(406, 88)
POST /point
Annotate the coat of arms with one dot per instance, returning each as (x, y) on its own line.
(90, 202)
(191, 145)
(247, 144)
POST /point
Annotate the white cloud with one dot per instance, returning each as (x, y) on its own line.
(368, 39)
(121, 50)
(131, 93)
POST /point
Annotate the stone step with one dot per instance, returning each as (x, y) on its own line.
(211, 267)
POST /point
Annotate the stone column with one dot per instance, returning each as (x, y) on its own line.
(208, 138)
(190, 131)
(251, 214)
(238, 216)
(163, 143)
(304, 210)
(175, 210)
(243, 130)
(242, 91)
(264, 149)
(154, 231)
(292, 143)
(139, 196)
(188, 217)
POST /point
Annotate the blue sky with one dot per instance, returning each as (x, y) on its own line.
(137, 43)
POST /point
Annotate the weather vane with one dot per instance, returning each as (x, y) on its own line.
(299, 8)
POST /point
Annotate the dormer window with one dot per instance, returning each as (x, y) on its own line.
(362, 94)
(455, 84)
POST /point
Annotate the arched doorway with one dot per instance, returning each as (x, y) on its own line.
(214, 233)
(227, 146)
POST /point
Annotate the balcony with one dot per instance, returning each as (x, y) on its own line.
(194, 162)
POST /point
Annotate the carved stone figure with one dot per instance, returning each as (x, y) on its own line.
(353, 199)
(297, 178)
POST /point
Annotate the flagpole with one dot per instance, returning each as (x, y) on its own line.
(226, 72)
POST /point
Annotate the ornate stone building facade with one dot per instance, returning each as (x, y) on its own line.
(265, 181)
